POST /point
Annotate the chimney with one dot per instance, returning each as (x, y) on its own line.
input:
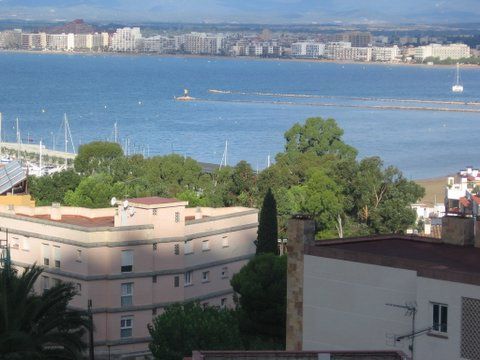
(198, 213)
(301, 233)
(56, 212)
(458, 230)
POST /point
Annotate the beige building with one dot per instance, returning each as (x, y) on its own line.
(443, 52)
(126, 39)
(408, 293)
(133, 259)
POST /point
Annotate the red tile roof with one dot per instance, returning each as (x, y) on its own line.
(81, 220)
(152, 200)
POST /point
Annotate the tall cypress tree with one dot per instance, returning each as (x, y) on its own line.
(267, 235)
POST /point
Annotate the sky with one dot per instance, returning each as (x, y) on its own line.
(247, 11)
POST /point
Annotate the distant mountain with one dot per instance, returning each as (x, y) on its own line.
(252, 11)
(77, 26)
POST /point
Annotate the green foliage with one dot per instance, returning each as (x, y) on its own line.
(268, 227)
(97, 157)
(95, 191)
(472, 60)
(261, 289)
(49, 189)
(185, 327)
(38, 326)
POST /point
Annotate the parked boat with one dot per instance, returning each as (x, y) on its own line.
(185, 97)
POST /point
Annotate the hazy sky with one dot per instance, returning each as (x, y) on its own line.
(258, 11)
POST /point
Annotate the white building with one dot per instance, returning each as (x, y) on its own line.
(308, 49)
(10, 39)
(58, 42)
(409, 293)
(385, 54)
(159, 44)
(126, 39)
(202, 43)
(443, 52)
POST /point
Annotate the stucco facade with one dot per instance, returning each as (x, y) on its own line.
(133, 259)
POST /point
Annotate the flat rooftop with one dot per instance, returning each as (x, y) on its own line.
(428, 256)
(106, 221)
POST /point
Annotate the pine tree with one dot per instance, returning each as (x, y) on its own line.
(267, 235)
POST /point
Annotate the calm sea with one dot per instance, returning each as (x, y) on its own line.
(137, 92)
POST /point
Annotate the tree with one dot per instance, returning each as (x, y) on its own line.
(49, 189)
(261, 294)
(267, 238)
(36, 326)
(185, 327)
(97, 157)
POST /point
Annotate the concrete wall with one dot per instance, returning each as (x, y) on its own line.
(344, 305)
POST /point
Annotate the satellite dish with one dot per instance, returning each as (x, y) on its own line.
(131, 210)
(113, 201)
(125, 204)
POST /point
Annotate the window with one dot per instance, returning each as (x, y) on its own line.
(154, 212)
(46, 254)
(57, 256)
(205, 276)
(223, 303)
(15, 243)
(79, 255)
(177, 217)
(127, 295)
(126, 327)
(154, 246)
(45, 283)
(440, 317)
(79, 288)
(127, 261)
(154, 311)
(188, 247)
(205, 245)
(26, 244)
(177, 249)
(154, 279)
(188, 278)
(224, 272)
(176, 281)
(225, 241)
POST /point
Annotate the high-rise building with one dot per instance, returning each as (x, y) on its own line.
(443, 52)
(202, 43)
(126, 39)
(308, 49)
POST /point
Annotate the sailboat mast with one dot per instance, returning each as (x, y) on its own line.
(65, 132)
(458, 73)
(40, 158)
(0, 134)
(18, 140)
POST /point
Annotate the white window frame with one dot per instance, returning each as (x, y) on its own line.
(126, 296)
(57, 256)
(439, 327)
(126, 261)
(126, 327)
(45, 283)
(188, 247)
(79, 255)
(205, 276)
(188, 278)
(205, 245)
(25, 244)
(46, 254)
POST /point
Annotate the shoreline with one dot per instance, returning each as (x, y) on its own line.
(224, 57)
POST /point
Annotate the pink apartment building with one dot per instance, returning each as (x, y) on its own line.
(133, 259)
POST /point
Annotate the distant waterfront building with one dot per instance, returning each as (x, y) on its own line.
(443, 52)
(202, 43)
(57, 42)
(132, 260)
(385, 54)
(126, 39)
(344, 51)
(83, 41)
(34, 41)
(334, 49)
(159, 44)
(308, 49)
(11, 39)
(360, 39)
